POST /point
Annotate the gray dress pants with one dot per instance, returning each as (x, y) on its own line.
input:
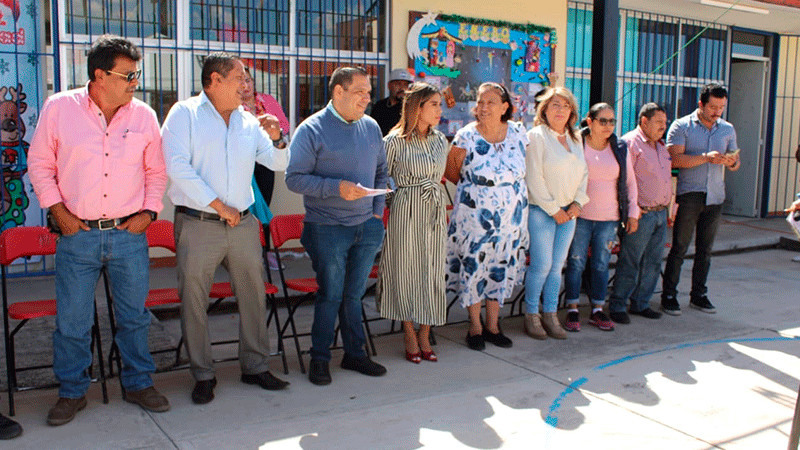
(201, 247)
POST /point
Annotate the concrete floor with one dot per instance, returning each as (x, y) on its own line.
(696, 381)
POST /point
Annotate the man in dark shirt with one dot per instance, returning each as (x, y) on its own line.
(387, 111)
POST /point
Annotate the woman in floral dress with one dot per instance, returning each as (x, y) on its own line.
(487, 236)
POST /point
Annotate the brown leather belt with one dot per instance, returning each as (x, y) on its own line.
(653, 208)
(107, 224)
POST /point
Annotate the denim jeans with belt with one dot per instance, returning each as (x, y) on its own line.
(342, 257)
(601, 236)
(639, 263)
(693, 213)
(79, 259)
(549, 245)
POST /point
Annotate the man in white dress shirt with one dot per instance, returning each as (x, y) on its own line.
(210, 148)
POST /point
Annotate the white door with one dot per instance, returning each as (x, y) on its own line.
(746, 113)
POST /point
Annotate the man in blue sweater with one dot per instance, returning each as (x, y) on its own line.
(332, 153)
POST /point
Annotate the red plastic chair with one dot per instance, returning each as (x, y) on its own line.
(21, 242)
(161, 234)
(282, 229)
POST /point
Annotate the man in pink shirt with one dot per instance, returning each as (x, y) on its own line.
(96, 162)
(641, 252)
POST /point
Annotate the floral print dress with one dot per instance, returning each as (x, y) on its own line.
(487, 236)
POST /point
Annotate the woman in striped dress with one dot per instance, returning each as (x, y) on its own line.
(411, 283)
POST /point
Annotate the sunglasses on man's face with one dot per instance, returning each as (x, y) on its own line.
(129, 76)
(606, 122)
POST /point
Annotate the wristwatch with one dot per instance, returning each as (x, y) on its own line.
(153, 214)
(277, 142)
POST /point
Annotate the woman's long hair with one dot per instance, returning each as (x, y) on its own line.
(416, 95)
(544, 101)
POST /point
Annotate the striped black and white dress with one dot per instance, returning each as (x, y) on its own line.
(411, 282)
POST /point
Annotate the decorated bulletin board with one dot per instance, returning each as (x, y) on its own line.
(457, 54)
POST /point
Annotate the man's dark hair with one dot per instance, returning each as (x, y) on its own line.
(343, 76)
(712, 90)
(649, 110)
(106, 49)
(220, 62)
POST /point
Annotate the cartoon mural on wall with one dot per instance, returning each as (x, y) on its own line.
(21, 93)
(457, 54)
(14, 156)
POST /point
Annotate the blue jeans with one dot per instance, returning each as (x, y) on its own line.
(549, 245)
(639, 263)
(342, 257)
(600, 235)
(79, 259)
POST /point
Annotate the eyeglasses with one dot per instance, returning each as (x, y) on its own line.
(128, 77)
(606, 122)
(559, 106)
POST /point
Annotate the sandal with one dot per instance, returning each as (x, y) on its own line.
(415, 358)
(429, 356)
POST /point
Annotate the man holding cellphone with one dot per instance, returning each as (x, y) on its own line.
(702, 145)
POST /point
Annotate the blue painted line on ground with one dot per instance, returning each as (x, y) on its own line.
(552, 412)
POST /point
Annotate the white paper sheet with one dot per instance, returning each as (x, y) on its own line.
(373, 192)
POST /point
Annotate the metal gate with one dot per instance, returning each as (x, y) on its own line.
(785, 160)
(290, 46)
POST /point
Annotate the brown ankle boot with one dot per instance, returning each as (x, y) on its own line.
(553, 327)
(533, 326)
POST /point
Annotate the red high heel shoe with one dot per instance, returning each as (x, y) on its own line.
(415, 358)
(429, 356)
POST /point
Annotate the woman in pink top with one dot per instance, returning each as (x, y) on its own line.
(612, 205)
(258, 104)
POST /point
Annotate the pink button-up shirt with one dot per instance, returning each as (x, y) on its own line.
(98, 170)
(653, 168)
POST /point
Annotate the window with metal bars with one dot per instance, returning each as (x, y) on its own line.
(646, 71)
(290, 46)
